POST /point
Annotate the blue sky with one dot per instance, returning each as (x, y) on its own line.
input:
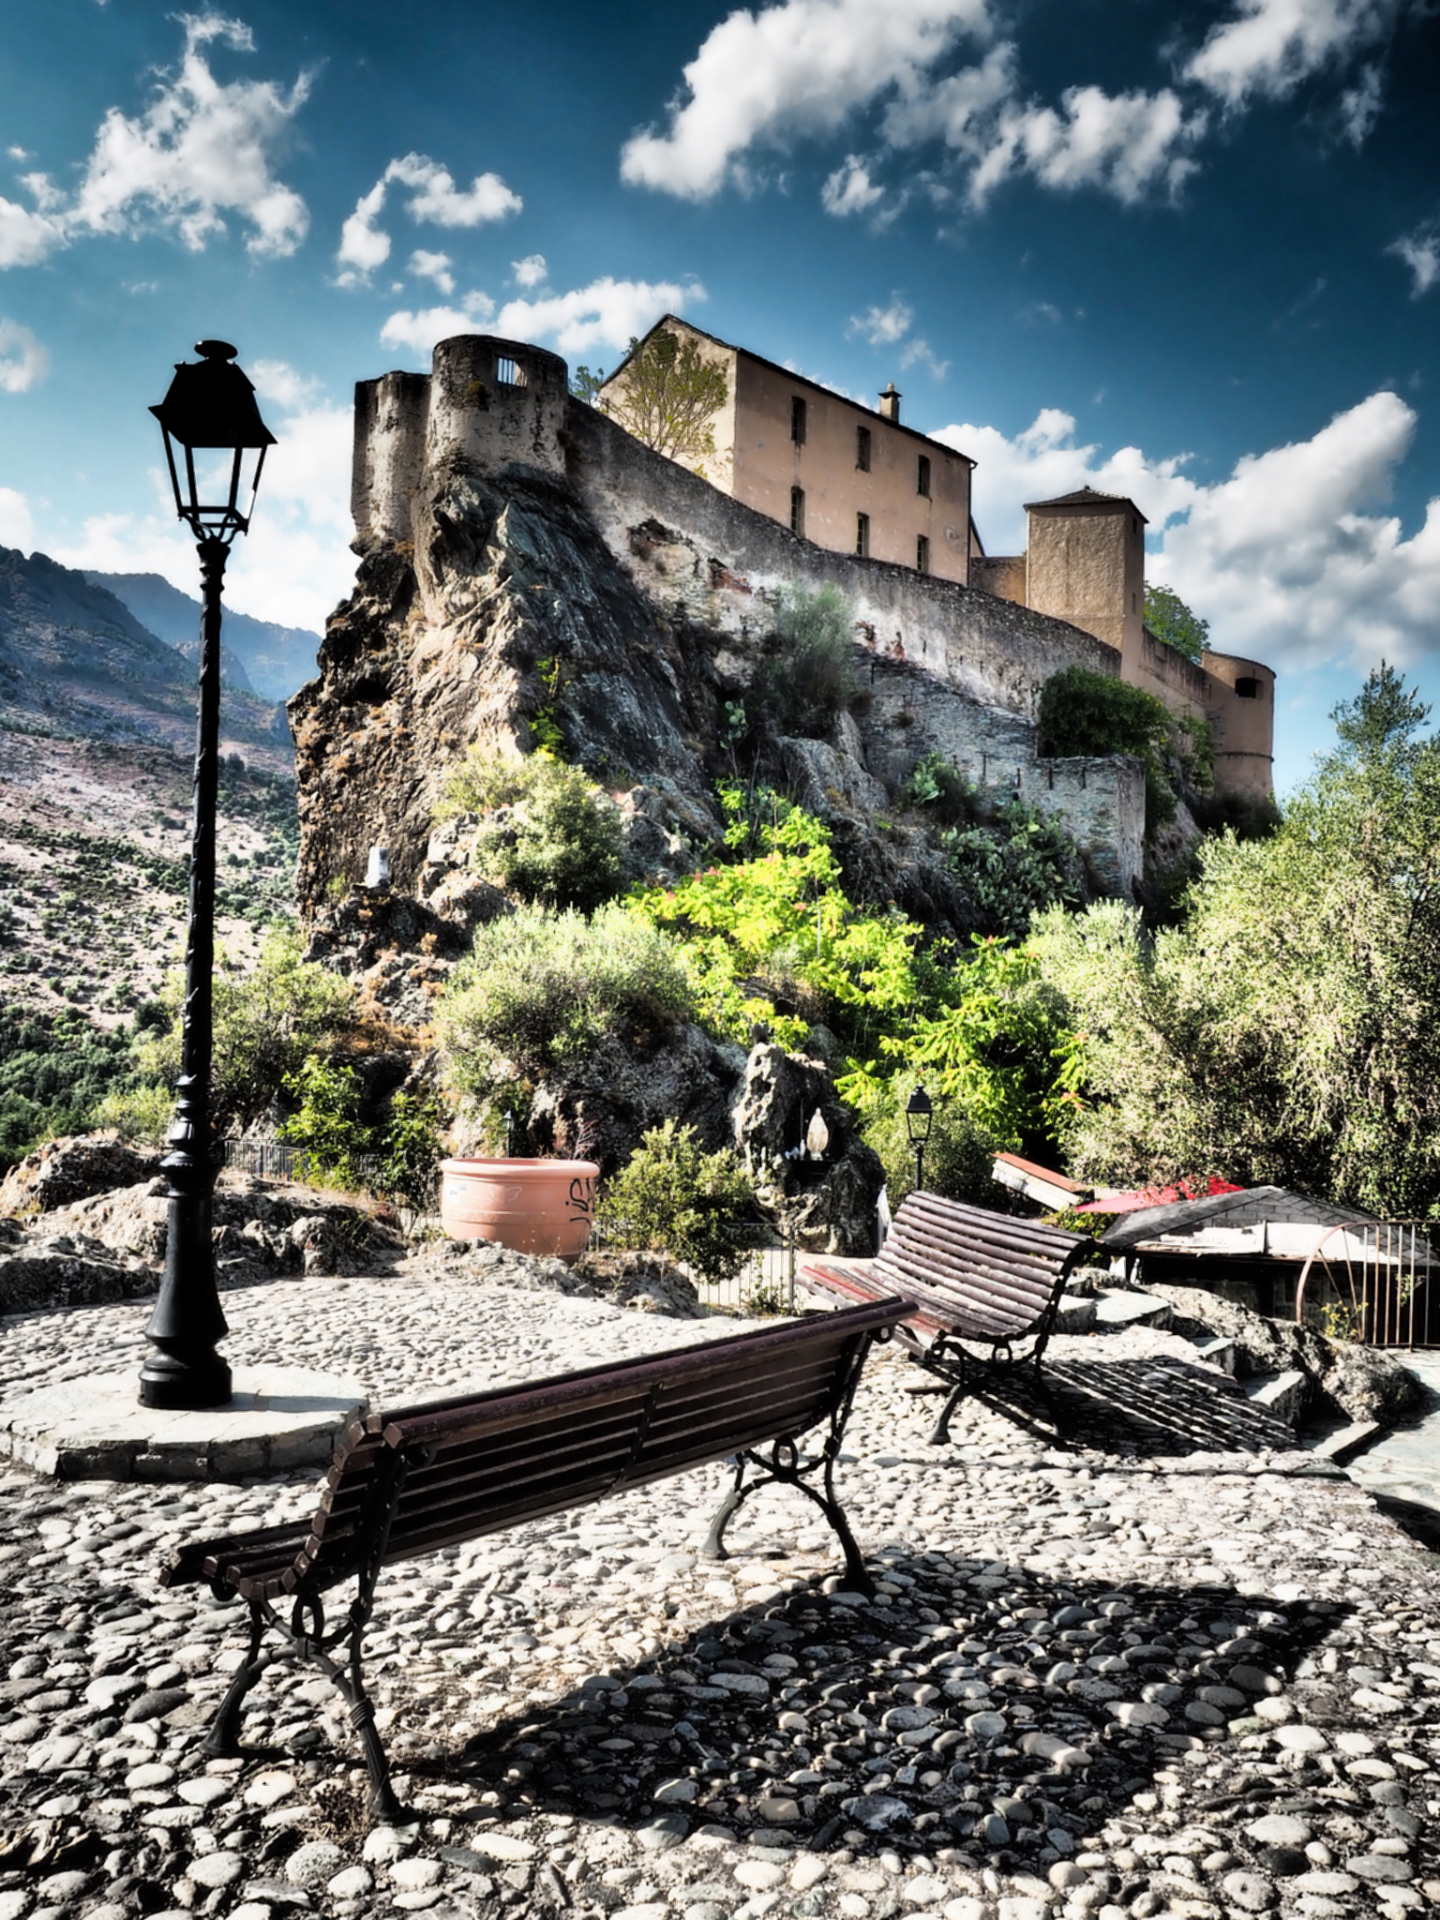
(1186, 252)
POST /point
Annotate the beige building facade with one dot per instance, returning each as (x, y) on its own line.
(849, 479)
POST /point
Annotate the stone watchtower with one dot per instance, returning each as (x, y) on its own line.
(1086, 564)
(487, 403)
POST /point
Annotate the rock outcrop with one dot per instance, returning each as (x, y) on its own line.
(800, 1146)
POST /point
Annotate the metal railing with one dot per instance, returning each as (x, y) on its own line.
(278, 1160)
(1378, 1283)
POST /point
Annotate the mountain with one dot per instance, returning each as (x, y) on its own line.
(276, 659)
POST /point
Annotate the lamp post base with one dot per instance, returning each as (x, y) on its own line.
(178, 1383)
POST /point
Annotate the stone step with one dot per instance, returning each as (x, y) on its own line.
(1219, 1352)
(1343, 1443)
(1076, 1313)
(1115, 1311)
(1278, 1393)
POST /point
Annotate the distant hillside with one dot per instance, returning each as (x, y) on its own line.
(276, 659)
(75, 656)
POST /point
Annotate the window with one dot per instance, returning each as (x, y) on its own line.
(1247, 688)
(922, 477)
(797, 511)
(862, 534)
(797, 420)
(862, 449)
(922, 554)
(509, 373)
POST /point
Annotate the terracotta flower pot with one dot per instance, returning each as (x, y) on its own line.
(534, 1206)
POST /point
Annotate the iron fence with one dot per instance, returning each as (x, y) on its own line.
(1374, 1282)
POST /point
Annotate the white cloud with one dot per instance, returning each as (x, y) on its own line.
(1126, 143)
(958, 108)
(434, 197)
(1360, 106)
(919, 353)
(434, 267)
(1270, 46)
(419, 331)
(201, 151)
(799, 67)
(882, 326)
(1420, 251)
(17, 528)
(850, 189)
(607, 313)
(295, 563)
(531, 271)
(23, 361)
(1287, 557)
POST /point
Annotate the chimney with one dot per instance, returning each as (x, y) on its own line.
(890, 404)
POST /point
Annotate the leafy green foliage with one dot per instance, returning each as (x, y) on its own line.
(811, 676)
(1084, 712)
(538, 988)
(265, 1023)
(672, 1197)
(1025, 862)
(554, 835)
(54, 1070)
(410, 1150)
(959, 1153)
(586, 383)
(140, 1112)
(665, 394)
(1170, 620)
(397, 1156)
(938, 787)
(1289, 1029)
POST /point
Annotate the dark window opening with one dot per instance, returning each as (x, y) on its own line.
(509, 373)
(797, 420)
(862, 449)
(922, 553)
(922, 481)
(862, 534)
(797, 510)
(1247, 688)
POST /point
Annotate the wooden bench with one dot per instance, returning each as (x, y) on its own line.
(406, 1483)
(980, 1280)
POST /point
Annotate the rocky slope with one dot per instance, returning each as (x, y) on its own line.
(264, 658)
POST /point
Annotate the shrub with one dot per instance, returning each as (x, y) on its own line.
(1084, 712)
(410, 1151)
(811, 677)
(265, 1023)
(327, 1126)
(672, 1197)
(555, 836)
(1024, 863)
(939, 786)
(137, 1113)
(538, 987)
(958, 1155)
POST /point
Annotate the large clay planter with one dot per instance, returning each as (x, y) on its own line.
(534, 1206)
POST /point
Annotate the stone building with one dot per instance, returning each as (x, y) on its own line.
(849, 478)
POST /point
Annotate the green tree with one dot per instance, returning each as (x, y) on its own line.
(665, 393)
(1288, 1029)
(811, 676)
(1170, 620)
(553, 835)
(1085, 712)
(673, 1197)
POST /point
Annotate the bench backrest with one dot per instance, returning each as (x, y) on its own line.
(474, 1464)
(988, 1268)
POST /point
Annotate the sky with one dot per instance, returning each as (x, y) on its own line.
(1184, 252)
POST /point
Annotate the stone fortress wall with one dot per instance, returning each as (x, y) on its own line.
(982, 660)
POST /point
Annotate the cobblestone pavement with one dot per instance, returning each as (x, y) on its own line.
(1165, 1669)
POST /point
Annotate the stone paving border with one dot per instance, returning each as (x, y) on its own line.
(1155, 1672)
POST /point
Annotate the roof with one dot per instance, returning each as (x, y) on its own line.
(1037, 1183)
(1086, 497)
(1264, 1222)
(799, 379)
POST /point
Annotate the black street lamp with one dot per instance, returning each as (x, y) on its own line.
(210, 408)
(919, 1112)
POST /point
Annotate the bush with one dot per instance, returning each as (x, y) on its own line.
(1084, 712)
(811, 678)
(537, 988)
(672, 1197)
(265, 1024)
(54, 1068)
(1024, 863)
(939, 786)
(327, 1126)
(141, 1114)
(959, 1154)
(556, 836)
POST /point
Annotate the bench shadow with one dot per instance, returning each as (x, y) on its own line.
(1159, 1406)
(660, 1740)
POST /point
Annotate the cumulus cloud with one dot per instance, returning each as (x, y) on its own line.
(434, 198)
(1270, 46)
(919, 353)
(531, 271)
(882, 326)
(23, 361)
(1290, 557)
(1420, 251)
(420, 330)
(202, 151)
(800, 67)
(607, 313)
(434, 267)
(1127, 144)
(849, 189)
(17, 527)
(295, 564)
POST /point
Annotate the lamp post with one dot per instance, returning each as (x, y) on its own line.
(919, 1112)
(210, 408)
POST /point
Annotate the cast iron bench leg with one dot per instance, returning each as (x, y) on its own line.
(223, 1739)
(784, 1467)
